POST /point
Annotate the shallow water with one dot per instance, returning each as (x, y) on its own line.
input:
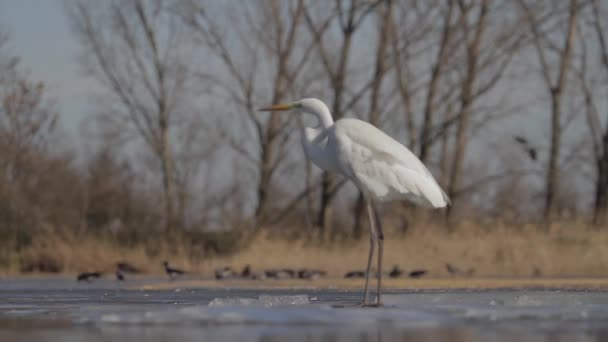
(63, 310)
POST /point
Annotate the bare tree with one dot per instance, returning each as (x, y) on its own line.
(600, 214)
(481, 48)
(599, 136)
(440, 62)
(473, 40)
(350, 17)
(556, 88)
(267, 47)
(27, 122)
(26, 116)
(380, 69)
(134, 49)
(284, 48)
(412, 25)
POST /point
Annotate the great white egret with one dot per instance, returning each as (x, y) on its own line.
(377, 164)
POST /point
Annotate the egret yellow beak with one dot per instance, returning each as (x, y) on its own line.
(277, 107)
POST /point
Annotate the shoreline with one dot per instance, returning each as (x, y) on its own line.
(570, 283)
(160, 282)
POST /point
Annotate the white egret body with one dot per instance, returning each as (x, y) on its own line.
(380, 167)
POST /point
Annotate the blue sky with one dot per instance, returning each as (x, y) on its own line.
(41, 36)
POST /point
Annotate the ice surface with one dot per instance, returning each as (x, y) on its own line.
(261, 312)
(262, 300)
(233, 301)
(509, 306)
(274, 310)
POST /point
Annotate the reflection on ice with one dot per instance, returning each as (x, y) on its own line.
(277, 310)
(346, 319)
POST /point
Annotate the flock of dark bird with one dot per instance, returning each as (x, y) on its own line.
(284, 273)
(122, 268)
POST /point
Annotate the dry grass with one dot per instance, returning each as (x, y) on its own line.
(568, 250)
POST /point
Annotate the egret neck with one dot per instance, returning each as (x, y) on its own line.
(315, 139)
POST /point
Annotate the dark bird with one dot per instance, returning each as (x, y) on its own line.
(172, 272)
(224, 272)
(395, 272)
(527, 147)
(256, 276)
(88, 276)
(284, 273)
(270, 273)
(311, 274)
(417, 273)
(453, 270)
(521, 140)
(355, 274)
(119, 275)
(287, 273)
(532, 153)
(126, 267)
(246, 272)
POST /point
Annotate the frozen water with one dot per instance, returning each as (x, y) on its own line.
(119, 314)
(262, 300)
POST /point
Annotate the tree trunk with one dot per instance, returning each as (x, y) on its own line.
(466, 102)
(552, 180)
(445, 144)
(600, 212)
(429, 107)
(374, 114)
(554, 150)
(166, 159)
(269, 142)
(359, 213)
(459, 151)
(266, 151)
(600, 209)
(325, 216)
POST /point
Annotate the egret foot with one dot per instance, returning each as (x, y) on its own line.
(372, 305)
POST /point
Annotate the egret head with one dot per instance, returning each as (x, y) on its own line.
(308, 105)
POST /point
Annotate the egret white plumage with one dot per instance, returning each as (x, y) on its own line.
(380, 167)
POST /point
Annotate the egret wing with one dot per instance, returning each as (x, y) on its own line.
(385, 169)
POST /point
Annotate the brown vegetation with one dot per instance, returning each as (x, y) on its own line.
(494, 251)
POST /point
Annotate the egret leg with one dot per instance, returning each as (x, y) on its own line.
(380, 241)
(372, 245)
